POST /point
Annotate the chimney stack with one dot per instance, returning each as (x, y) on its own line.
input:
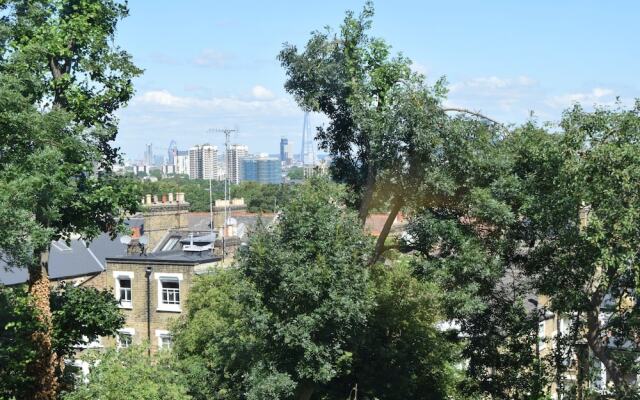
(164, 198)
(148, 199)
(180, 197)
(155, 199)
(171, 197)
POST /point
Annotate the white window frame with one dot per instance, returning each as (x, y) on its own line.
(159, 277)
(124, 331)
(117, 275)
(161, 333)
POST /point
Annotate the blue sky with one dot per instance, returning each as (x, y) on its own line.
(212, 64)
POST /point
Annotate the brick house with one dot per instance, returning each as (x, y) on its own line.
(152, 290)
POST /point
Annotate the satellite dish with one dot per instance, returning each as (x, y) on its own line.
(144, 240)
(126, 239)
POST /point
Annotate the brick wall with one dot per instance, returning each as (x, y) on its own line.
(159, 218)
(136, 315)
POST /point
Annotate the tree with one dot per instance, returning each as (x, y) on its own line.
(61, 81)
(341, 75)
(389, 136)
(302, 315)
(401, 353)
(79, 315)
(580, 217)
(468, 257)
(130, 373)
(305, 280)
(296, 173)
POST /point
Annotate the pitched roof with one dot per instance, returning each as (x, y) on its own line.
(69, 261)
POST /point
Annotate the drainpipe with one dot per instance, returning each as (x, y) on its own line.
(148, 275)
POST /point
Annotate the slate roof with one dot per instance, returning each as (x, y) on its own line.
(73, 260)
(65, 261)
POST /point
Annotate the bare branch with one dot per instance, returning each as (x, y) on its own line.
(476, 114)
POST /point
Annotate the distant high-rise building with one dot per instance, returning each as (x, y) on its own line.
(235, 155)
(285, 150)
(148, 154)
(262, 169)
(172, 152)
(195, 162)
(181, 162)
(308, 148)
(203, 162)
(209, 161)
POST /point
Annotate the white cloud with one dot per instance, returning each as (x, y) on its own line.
(264, 103)
(261, 93)
(596, 95)
(504, 98)
(212, 58)
(492, 83)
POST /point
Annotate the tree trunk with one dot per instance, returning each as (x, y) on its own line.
(600, 350)
(43, 368)
(304, 390)
(384, 233)
(367, 195)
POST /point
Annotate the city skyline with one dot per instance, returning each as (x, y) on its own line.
(158, 151)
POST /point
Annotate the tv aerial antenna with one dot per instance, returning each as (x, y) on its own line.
(227, 186)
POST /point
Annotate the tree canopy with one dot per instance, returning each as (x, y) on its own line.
(302, 316)
(61, 80)
(80, 316)
(130, 373)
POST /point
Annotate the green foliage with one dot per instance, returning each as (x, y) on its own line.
(260, 197)
(348, 76)
(48, 184)
(17, 322)
(486, 296)
(580, 215)
(130, 373)
(296, 173)
(61, 81)
(402, 354)
(309, 273)
(301, 313)
(215, 341)
(291, 306)
(79, 314)
(65, 50)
